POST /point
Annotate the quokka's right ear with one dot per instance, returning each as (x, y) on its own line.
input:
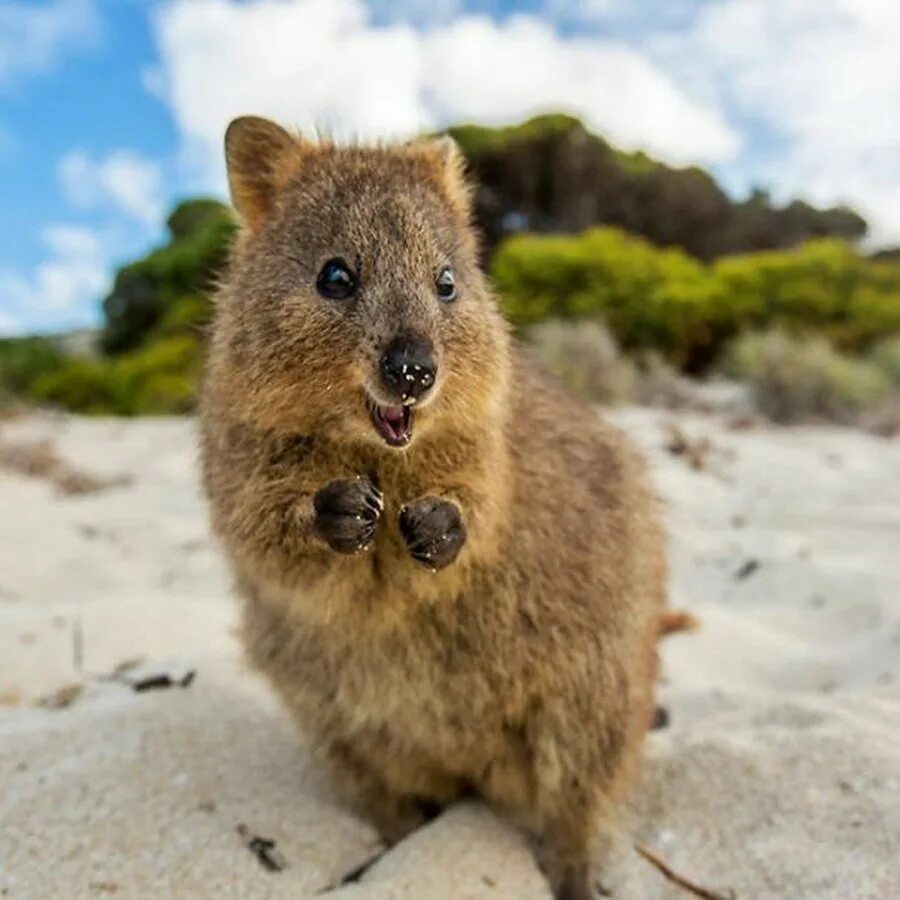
(258, 155)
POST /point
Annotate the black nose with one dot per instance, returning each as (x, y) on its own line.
(408, 369)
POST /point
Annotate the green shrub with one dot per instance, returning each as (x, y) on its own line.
(190, 314)
(192, 216)
(650, 298)
(24, 360)
(822, 287)
(805, 380)
(145, 291)
(667, 302)
(160, 379)
(586, 358)
(80, 385)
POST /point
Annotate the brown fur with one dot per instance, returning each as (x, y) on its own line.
(524, 669)
(673, 621)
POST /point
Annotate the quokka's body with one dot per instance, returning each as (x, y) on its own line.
(452, 572)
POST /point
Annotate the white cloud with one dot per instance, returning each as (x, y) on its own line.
(822, 77)
(32, 36)
(323, 63)
(488, 72)
(124, 181)
(62, 288)
(72, 241)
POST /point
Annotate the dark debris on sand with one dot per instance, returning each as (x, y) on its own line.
(264, 849)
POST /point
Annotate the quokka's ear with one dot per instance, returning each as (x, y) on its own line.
(258, 155)
(447, 150)
(449, 165)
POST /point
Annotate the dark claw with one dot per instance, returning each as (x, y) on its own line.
(433, 531)
(347, 514)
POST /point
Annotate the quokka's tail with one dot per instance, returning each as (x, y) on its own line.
(674, 620)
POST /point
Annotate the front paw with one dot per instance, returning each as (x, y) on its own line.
(347, 514)
(433, 530)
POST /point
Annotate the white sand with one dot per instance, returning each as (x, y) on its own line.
(779, 775)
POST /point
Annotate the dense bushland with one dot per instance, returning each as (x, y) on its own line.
(551, 175)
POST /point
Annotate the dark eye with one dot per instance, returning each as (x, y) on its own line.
(336, 281)
(446, 285)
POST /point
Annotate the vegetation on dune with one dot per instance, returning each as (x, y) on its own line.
(666, 301)
(24, 360)
(587, 358)
(662, 271)
(160, 377)
(805, 380)
(649, 298)
(886, 356)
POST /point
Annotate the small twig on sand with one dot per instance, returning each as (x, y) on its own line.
(355, 874)
(686, 885)
(747, 569)
(162, 680)
(264, 849)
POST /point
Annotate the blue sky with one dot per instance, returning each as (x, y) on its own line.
(111, 110)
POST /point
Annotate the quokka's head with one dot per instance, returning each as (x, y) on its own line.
(354, 306)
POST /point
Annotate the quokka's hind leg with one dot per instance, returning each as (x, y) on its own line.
(560, 780)
(565, 847)
(397, 799)
(561, 821)
(580, 783)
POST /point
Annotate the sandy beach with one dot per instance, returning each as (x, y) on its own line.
(777, 775)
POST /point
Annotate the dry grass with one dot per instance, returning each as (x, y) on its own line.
(661, 385)
(39, 459)
(807, 380)
(586, 357)
(695, 450)
(886, 356)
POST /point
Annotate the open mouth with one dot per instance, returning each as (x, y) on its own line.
(393, 423)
